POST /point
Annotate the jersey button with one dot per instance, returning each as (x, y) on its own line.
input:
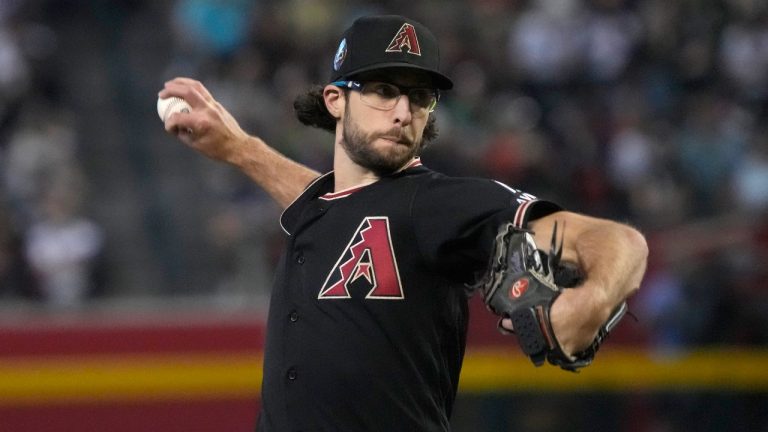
(291, 374)
(294, 316)
(300, 259)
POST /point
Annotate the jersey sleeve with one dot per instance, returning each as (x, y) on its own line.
(456, 221)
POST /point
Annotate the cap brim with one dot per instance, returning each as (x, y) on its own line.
(441, 81)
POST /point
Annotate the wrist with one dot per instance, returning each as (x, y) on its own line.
(595, 303)
(242, 149)
(576, 316)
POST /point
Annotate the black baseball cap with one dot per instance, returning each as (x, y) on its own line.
(387, 41)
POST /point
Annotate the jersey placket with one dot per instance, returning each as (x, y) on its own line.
(297, 308)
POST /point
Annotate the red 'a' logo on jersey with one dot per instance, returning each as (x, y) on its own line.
(368, 260)
(405, 38)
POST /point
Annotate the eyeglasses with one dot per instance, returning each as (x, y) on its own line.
(384, 96)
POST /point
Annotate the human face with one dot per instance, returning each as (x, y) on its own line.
(381, 140)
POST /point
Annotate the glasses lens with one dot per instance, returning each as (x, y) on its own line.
(385, 96)
(380, 95)
(423, 98)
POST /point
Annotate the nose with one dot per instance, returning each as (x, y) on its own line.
(402, 110)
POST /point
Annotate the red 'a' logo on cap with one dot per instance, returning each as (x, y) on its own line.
(405, 38)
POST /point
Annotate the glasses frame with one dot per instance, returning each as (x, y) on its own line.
(358, 86)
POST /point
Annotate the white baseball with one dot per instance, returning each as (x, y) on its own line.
(168, 106)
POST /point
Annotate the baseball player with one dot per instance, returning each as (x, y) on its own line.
(368, 315)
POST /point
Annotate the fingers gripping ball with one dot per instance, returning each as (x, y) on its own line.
(168, 106)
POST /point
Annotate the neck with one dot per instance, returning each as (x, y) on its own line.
(348, 174)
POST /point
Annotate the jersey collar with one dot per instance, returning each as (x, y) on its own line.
(290, 216)
(330, 196)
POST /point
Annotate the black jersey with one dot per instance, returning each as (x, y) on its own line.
(368, 315)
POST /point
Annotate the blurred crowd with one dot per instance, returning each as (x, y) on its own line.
(651, 112)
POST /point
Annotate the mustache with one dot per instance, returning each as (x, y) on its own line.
(398, 134)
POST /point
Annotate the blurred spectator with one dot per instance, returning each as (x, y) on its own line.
(14, 68)
(43, 182)
(751, 177)
(212, 27)
(744, 50)
(710, 149)
(630, 156)
(15, 276)
(661, 303)
(546, 41)
(612, 34)
(64, 248)
(42, 145)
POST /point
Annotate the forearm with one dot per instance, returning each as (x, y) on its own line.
(613, 258)
(211, 130)
(282, 178)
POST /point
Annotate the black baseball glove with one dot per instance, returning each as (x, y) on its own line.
(521, 284)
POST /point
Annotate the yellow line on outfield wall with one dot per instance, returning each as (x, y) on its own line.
(145, 377)
(630, 370)
(195, 376)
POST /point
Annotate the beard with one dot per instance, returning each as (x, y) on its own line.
(359, 147)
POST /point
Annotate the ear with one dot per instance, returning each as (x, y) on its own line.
(334, 99)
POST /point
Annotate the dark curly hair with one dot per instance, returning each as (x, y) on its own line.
(310, 110)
